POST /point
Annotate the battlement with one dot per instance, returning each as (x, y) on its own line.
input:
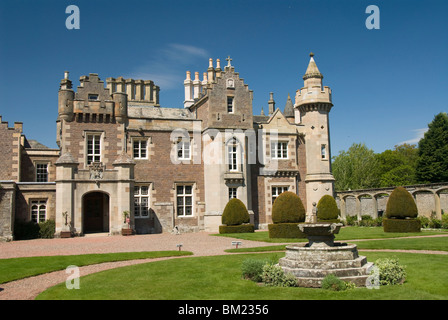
(92, 102)
(143, 92)
(313, 95)
(18, 126)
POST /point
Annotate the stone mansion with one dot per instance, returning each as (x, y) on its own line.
(120, 152)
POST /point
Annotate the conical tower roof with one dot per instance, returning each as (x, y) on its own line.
(289, 108)
(312, 71)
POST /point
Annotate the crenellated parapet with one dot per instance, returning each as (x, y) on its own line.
(138, 91)
(92, 102)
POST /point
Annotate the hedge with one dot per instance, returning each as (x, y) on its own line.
(285, 230)
(242, 228)
(401, 225)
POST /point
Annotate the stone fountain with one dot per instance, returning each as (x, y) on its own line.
(311, 262)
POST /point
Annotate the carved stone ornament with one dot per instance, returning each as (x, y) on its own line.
(96, 170)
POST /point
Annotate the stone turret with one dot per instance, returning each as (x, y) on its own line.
(312, 106)
(65, 99)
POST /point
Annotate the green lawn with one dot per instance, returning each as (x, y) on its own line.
(346, 233)
(219, 277)
(18, 268)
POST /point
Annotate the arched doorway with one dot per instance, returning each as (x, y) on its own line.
(95, 209)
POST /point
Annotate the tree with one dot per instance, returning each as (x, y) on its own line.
(356, 168)
(397, 167)
(432, 165)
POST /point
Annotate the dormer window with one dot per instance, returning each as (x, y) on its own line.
(93, 97)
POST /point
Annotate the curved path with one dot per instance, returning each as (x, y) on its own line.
(201, 244)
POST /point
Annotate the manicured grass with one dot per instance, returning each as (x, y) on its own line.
(219, 277)
(437, 244)
(420, 243)
(346, 233)
(18, 268)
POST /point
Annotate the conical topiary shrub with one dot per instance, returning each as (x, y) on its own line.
(288, 208)
(401, 205)
(327, 209)
(235, 218)
(401, 212)
(287, 212)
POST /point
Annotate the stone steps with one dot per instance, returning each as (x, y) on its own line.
(337, 264)
(313, 277)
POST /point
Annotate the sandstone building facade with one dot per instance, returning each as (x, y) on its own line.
(120, 152)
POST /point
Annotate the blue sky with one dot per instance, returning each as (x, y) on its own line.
(388, 84)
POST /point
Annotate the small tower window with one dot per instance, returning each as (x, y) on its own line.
(230, 104)
(323, 151)
(93, 97)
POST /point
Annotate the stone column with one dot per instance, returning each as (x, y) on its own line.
(342, 207)
(375, 207)
(125, 192)
(65, 167)
(437, 205)
(358, 208)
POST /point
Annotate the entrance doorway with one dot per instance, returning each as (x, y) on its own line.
(95, 212)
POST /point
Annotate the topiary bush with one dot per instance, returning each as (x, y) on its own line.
(401, 205)
(327, 209)
(235, 218)
(235, 213)
(288, 208)
(401, 212)
(287, 212)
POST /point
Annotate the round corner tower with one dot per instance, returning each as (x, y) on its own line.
(312, 107)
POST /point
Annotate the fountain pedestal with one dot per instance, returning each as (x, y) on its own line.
(311, 262)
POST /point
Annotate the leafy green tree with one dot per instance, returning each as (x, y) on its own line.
(432, 165)
(356, 168)
(397, 167)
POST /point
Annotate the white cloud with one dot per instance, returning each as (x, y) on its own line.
(418, 134)
(167, 66)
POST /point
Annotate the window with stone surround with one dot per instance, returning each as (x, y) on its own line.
(41, 172)
(93, 147)
(230, 105)
(141, 201)
(184, 150)
(233, 155)
(38, 210)
(140, 149)
(323, 151)
(279, 150)
(276, 191)
(232, 192)
(184, 200)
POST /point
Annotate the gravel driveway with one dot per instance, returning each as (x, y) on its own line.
(201, 244)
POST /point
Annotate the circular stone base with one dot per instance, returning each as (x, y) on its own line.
(310, 264)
